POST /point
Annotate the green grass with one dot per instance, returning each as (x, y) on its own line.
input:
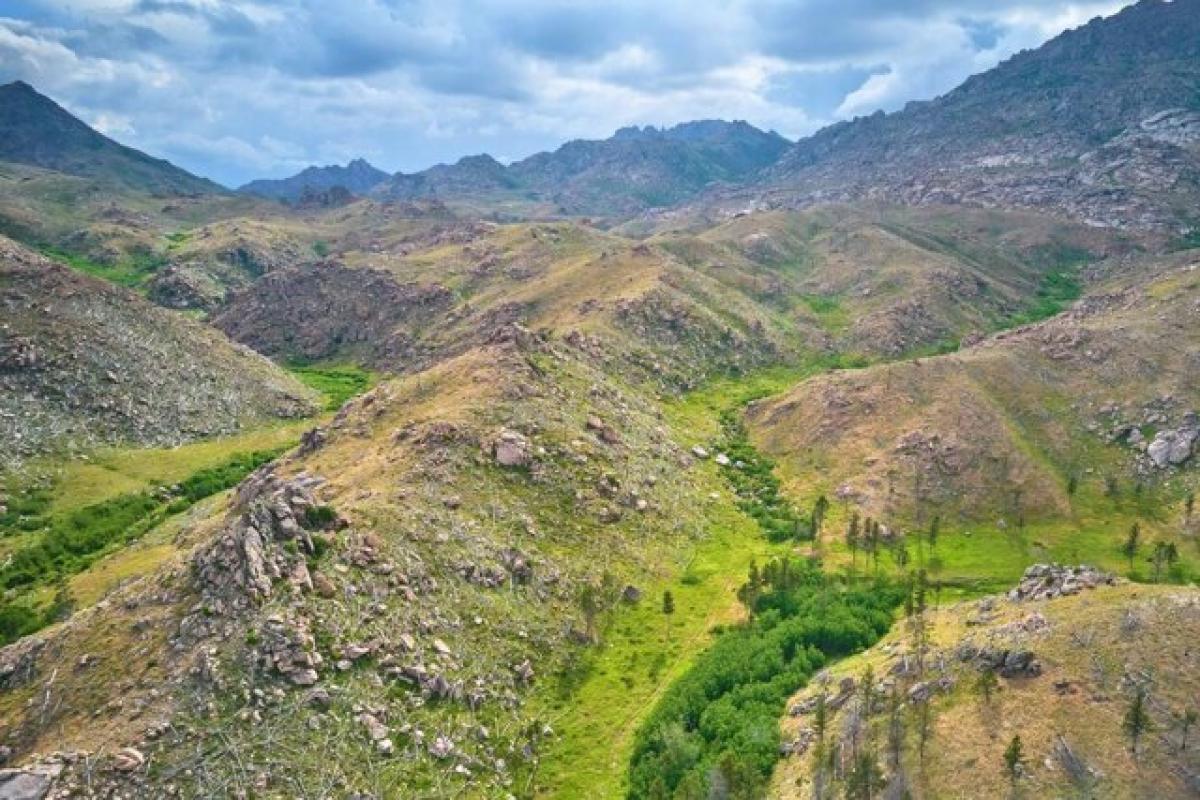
(70, 541)
(1057, 290)
(131, 272)
(641, 655)
(337, 382)
(829, 311)
(972, 559)
(615, 685)
(49, 486)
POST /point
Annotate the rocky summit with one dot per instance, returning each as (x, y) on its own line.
(698, 462)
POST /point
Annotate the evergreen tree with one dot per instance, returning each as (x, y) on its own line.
(895, 741)
(1189, 505)
(1137, 721)
(935, 526)
(589, 603)
(1132, 543)
(987, 683)
(853, 539)
(691, 788)
(924, 727)
(1165, 555)
(820, 509)
(1014, 759)
(900, 552)
(668, 608)
(751, 590)
(865, 778)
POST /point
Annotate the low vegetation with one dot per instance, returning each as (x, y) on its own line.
(338, 383)
(752, 477)
(67, 543)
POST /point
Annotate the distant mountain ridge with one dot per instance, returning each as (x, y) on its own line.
(36, 131)
(634, 170)
(358, 177)
(1102, 123)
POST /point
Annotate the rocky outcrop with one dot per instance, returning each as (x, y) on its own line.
(33, 783)
(240, 567)
(1099, 124)
(1047, 581)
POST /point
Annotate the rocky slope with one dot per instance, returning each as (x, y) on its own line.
(1065, 652)
(84, 363)
(872, 282)
(34, 130)
(1032, 133)
(358, 178)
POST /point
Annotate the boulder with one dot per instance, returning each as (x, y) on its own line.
(1171, 448)
(511, 449)
(27, 784)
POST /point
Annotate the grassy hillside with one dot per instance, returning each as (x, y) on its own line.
(1030, 445)
(449, 586)
(1095, 651)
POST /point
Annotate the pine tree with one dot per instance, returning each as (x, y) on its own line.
(987, 683)
(820, 509)
(852, 540)
(900, 552)
(924, 727)
(1189, 505)
(1014, 759)
(934, 529)
(865, 777)
(868, 695)
(751, 590)
(1165, 555)
(589, 603)
(1137, 721)
(1132, 542)
(668, 608)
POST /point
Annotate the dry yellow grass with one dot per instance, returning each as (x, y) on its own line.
(1096, 642)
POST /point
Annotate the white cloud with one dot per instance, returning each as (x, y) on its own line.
(239, 88)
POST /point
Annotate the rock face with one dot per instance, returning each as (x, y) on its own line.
(241, 566)
(1030, 133)
(326, 310)
(33, 784)
(511, 449)
(1047, 581)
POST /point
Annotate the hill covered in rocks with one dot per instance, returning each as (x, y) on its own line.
(84, 363)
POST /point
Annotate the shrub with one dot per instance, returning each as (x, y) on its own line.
(721, 717)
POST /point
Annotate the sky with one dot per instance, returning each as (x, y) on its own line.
(242, 89)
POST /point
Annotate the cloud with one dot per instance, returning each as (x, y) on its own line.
(236, 89)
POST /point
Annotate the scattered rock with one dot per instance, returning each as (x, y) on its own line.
(1047, 581)
(128, 759)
